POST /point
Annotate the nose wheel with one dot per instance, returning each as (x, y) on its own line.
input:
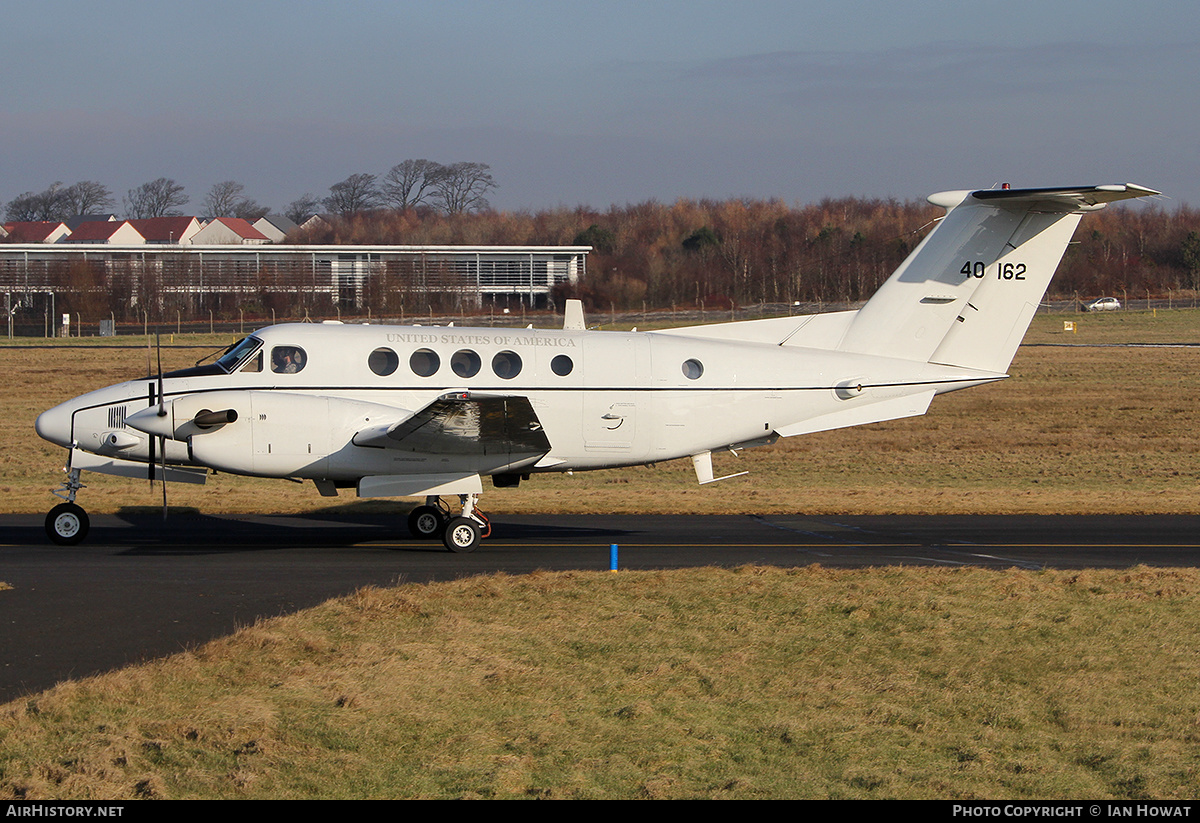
(67, 524)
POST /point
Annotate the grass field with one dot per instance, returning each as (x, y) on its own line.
(702, 683)
(1075, 430)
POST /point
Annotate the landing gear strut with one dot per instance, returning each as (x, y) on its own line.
(67, 523)
(458, 534)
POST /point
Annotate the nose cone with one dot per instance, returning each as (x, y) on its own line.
(55, 424)
(149, 420)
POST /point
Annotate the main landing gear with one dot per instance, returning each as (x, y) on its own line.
(458, 534)
(67, 523)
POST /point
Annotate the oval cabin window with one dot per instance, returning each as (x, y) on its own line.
(561, 365)
(383, 361)
(424, 362)
(506, 365)
(465, 363)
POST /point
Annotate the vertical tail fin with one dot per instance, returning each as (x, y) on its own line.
(966, 294)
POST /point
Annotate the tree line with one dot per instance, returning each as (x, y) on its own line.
(456, 188)
(714, 253)
(720, 253)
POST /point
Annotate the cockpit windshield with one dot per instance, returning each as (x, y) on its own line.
(238, 352)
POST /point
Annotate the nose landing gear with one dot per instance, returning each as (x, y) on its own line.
(67, 523)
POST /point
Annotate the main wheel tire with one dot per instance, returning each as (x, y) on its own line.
(461, 535)
(427, 522)
(67, 524)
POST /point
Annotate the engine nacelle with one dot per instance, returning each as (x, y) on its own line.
(273, 433)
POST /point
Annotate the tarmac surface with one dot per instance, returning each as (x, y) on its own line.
(139, 588)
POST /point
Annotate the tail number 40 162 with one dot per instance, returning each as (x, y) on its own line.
(1004, 271)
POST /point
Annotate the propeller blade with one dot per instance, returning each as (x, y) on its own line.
(150, 402)
(162, 412)
(164, 476)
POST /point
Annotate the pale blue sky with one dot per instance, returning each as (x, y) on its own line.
(602, 103)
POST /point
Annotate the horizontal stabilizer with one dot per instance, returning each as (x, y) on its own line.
(1081, 198)
(891, 409)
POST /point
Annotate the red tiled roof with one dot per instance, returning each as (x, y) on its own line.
(163, 229)
(95, 231)
(30, 232)
(241, 228)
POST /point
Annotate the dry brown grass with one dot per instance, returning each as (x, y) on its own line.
(1076, 430)
(715, 683)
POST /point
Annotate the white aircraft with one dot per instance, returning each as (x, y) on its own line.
(412, 411)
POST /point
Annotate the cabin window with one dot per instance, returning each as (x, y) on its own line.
(465, 363)
(424, 362)
(287, 359)
(506, 365)
(561, 365)
(383, 361)
(692, 369)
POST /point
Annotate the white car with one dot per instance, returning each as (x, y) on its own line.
(1103, 304)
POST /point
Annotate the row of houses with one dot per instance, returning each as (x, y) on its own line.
(180, 231)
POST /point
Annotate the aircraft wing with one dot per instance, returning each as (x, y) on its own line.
(462, 423)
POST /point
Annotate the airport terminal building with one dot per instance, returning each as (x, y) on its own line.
(357, 279)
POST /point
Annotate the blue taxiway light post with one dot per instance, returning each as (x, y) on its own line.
(612, 557)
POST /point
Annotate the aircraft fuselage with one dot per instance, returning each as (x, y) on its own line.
(602, 399)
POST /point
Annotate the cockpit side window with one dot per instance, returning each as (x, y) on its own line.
(254, 364)
(287, 359)
(238, 352)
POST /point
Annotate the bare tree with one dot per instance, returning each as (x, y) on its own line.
(222, 199)
(59, 202)
(21, 208)
(25, 207)
(251, 210)
(302, 208)
(44, 205)
(409, 183)
(88, 197)
(461, 187)
(158, 198)
(226, 200)
(356, 193)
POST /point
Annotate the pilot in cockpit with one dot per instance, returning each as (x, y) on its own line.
(287, 359)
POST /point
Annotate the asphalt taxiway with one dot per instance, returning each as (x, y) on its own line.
(139, 588)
